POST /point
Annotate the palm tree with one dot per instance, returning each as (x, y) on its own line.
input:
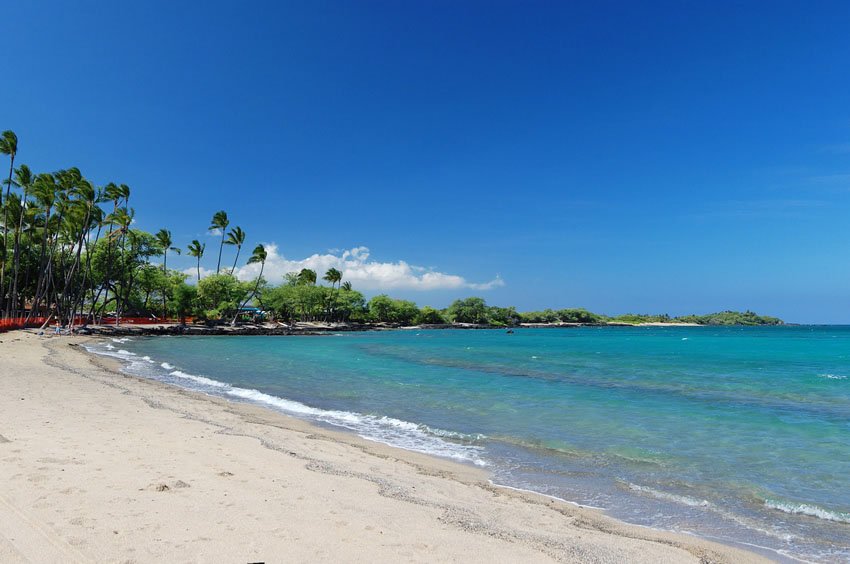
(23, 179)
(163, 238)
(219, 222)
(258, 256)
(333, 276)
(123, 218)
(8, 146)
(235, 237)
(196, 249)
(307, 277)
(79, 223)
(346, 286)
(115, 193)
(46, 192)
(55, 191)
(98, 220)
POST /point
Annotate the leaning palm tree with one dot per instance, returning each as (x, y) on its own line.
(46, 193)
(333, 276)
(115, 193)
(307, 277)
(235, 237)
(163, 238)
(220, 223)
(24, 179)
(56, 190)
(258, 256)
(8, 146)
(196, 249)
(84, 197)
(123, 219)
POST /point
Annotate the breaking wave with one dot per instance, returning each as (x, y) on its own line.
(378, 428)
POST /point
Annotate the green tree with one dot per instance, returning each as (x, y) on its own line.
(578, 315)
(184, 300)
(219, 296)
(430, 316)
(470, 310)
(296, 302)
(385, 309)
(505, 316)
(381, 308)
(350, 305)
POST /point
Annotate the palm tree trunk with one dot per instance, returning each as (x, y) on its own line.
(251, 296)
(121, 244)
(220, 248)
(238, 248)
(165, 287)
(108, 259)
(16, 260)
(90, 273)
(84, 228)
(5, 233)
(43, 265)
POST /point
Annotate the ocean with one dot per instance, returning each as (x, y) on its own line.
(737, 434)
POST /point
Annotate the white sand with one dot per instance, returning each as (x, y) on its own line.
(101, 467)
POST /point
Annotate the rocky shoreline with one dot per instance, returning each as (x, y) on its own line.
(273, 329)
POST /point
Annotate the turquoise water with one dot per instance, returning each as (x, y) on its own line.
(740, 434)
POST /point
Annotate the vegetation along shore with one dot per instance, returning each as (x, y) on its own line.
(71, 255)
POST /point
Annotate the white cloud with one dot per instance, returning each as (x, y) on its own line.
(364, 274)
(192, 273)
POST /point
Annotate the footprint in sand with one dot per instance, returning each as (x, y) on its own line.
(162, 487)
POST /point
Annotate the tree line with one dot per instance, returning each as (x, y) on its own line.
(69, 252)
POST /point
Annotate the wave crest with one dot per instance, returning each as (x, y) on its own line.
(808, 509)
(378, 428)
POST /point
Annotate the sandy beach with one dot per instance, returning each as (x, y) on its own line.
(102, 467)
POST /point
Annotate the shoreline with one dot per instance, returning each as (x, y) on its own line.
(314, 329)
(454, 507)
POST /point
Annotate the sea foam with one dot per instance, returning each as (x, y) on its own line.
(199, 379)
(667, 496)
(833, 376)
(383, 429)
(808, 509)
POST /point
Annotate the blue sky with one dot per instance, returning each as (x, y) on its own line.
(679, 157)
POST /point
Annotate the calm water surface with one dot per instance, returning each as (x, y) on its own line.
(739, 434)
